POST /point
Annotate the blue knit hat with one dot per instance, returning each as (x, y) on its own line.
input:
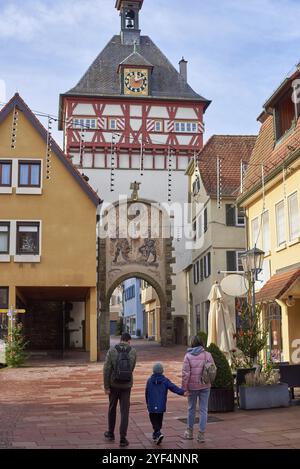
(158, 369)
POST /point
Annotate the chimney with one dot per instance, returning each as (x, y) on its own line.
(183, 68)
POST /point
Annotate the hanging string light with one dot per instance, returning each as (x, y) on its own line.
(49, 149)
(170, 155)
(219, 183)
(112, 163)
(142, 158)
(82, 145)
(14, 129)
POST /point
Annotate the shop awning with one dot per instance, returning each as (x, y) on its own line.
(278, 285)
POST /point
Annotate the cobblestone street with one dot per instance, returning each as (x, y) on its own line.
(62, 405)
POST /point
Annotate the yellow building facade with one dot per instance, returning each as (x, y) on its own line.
(47, 235)
(271, 197)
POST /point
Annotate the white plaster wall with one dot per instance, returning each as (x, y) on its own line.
(136, 111)
(186, 113)
(113, 110)
(158, 111)
(84, 110)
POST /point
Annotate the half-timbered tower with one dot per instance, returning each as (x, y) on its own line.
(134, 117)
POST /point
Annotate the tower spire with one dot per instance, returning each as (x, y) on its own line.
(129, 13)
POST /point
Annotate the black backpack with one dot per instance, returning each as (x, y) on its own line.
(123, 371)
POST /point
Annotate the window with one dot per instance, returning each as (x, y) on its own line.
(280, 224)
(240, 216)
(5, 173)
(294, 230)
(112, 124)
(4, 237)
(235, 216)
(3, 297)
(255, 231)
(266, 231)
(186, 127)
(158, 126)
(29, 174)
(239, 265)
(196, 272)
(85, 123)
(28, 238)
(284, 115)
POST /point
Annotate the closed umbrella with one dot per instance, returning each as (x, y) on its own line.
(220, 328)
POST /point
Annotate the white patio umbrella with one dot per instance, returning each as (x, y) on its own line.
(220, 327)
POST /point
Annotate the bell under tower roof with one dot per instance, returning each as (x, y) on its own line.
(129, 13)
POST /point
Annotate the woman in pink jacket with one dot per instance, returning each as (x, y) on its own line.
(192, 371)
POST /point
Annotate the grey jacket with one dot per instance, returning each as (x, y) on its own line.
(110, 366)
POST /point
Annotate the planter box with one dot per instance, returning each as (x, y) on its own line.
(221, 400)
(264, 397)
(2, 352)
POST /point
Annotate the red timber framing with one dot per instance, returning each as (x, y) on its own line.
(128, 140)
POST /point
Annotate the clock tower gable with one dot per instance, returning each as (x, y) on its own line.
(135, 75)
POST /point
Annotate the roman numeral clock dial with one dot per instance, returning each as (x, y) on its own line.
(136, 82)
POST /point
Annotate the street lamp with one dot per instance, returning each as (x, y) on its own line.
(252, 262)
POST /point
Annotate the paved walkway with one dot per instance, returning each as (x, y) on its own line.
(50, 406)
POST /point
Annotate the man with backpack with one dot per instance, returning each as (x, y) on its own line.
(118, 380)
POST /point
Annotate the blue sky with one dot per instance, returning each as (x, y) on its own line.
(238, 50)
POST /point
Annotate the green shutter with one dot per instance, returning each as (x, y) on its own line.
(231, 261)
(230, 215)
(201, 270)
(205, 220)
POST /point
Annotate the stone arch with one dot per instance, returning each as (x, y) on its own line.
(116, 265)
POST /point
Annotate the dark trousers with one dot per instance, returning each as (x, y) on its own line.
(122, 395)
(157, 421)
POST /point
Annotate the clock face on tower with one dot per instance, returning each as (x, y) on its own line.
(136, 82)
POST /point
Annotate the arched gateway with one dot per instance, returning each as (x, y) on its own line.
(135, 241)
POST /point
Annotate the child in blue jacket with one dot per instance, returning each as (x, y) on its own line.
(156, 397)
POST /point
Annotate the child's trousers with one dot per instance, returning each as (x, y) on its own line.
(157, 421)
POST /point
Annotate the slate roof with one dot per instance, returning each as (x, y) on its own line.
(136, 59)
(102, 79)
(231, 149)
(19, 103)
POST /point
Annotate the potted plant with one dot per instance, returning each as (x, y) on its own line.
(251, 338)
(222, 393)
(263, 390)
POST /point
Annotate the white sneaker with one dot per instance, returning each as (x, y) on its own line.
(188, 434)
(201, 437)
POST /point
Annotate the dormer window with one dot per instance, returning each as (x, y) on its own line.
(285, 115)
